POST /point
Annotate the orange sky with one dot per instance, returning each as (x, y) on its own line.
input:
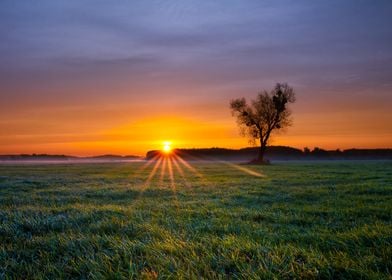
(122, 129)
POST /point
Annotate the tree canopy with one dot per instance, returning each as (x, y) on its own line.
(267, 113)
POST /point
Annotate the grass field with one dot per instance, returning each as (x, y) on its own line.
(115, 220)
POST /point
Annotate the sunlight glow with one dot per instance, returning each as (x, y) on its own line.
(167, 147)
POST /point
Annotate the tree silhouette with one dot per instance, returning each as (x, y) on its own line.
(267, 113)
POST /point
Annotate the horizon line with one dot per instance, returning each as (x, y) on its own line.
(155, 150)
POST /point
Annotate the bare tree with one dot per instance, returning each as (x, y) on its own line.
(267, 113)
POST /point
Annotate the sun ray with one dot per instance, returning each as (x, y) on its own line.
(171, 175)
(163, 172)
(148, 163)
(153, 171)
(181, 172)
(187, 165)
(149, 178)
(143, 167)
(172, 183)
(233, 165)
(243, 169)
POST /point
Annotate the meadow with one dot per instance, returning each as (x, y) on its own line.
(301, 220)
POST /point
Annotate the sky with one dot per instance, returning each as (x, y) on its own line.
(121, 77)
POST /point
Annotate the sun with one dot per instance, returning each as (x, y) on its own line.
(167, 147)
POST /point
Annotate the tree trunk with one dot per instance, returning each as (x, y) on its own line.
(260, 157)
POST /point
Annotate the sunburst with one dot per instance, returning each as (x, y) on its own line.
(169, 165)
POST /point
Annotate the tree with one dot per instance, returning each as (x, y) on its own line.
(267, 113)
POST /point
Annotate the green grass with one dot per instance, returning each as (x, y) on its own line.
(95, 221)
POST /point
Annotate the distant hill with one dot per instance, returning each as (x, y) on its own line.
(272, 153)
(113, 157)
(280, 153)
(46, 157)
(36, 157)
